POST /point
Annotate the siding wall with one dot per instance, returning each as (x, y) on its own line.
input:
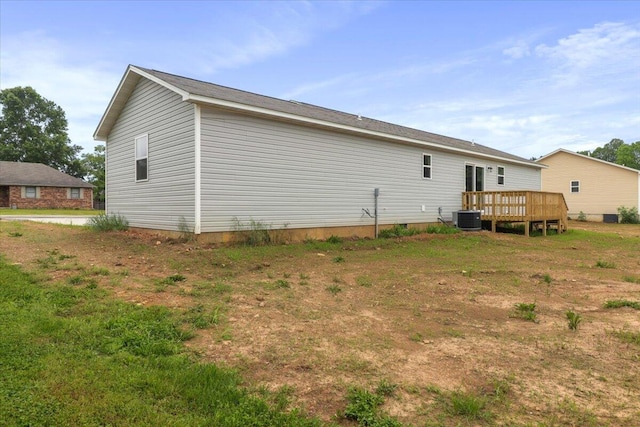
(603, 187)
(286, 174)
(169, 193)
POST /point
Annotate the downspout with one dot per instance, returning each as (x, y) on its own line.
(197, 226)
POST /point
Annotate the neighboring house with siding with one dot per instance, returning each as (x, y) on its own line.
(185, 152)
(592, 186)
(34, 185)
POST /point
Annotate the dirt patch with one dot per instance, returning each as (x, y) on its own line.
(432, 314)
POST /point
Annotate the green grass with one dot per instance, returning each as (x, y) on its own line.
(619, 303)
(525, 311)
(363, 408)
(75, 356)
(7, 211)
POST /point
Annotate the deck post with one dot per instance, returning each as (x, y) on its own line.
(527, 226)
(544, 227)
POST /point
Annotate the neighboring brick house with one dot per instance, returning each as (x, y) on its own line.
(34, 185)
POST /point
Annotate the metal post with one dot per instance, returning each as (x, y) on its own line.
(376, 193)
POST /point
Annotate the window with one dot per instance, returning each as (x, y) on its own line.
(473, 178)
(575, 186)
(30, 192)
(500, 175)
(142, 157)
(426, 166)
(74, 193)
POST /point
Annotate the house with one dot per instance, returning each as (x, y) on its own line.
(34, 185)
(592, 187)
(182, 153)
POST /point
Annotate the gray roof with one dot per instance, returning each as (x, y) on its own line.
(204, 92)
(37, 174)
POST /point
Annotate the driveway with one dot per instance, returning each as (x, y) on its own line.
(57, 219)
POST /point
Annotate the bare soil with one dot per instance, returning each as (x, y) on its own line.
(433, 314)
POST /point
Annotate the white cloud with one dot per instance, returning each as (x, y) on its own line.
(82, 90)
(519, 50)
(606, 49)
(273, 29)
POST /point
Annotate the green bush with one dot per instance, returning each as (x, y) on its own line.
(629, 215)
(104, 222)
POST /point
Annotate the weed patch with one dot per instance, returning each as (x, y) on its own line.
(605, 264)
(619, 303)
(573, 320)
(363, 407)
(104, 222)
(525, 311)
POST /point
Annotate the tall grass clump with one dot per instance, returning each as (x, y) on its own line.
(253, 233)
(105, 222)
(573, 320)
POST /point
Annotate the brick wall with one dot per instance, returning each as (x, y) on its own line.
(50, 197)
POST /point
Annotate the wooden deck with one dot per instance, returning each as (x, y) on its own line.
(533, 208)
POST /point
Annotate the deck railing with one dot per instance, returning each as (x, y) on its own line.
(529, 207)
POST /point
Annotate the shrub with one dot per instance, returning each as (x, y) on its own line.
(104, 222)
(629, 215)
(582, 216)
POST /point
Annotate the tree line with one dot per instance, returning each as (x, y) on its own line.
(619, 152)
(34, 129)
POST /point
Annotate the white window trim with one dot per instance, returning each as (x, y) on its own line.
(503, 175)
(136, 158)
(571, 186)
(430, 166)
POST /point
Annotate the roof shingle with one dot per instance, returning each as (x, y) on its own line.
(37, 174)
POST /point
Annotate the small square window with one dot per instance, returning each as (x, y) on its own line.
(30, 192)
(575, 186)
(75, 193)
(426, 166)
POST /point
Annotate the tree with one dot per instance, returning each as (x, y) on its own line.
(629, 155)
(609, 152)
(93, 163)
(34, 129)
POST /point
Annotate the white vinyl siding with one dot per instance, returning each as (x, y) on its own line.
(168, 196)
(289, 175)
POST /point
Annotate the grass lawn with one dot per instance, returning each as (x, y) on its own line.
(8, 211)
(469, 329)
(74, 355)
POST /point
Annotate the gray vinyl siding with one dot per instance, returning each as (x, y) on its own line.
(169, 192)
(516, 177)
(288, 175)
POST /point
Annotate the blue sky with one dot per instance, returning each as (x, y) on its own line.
(523, 77)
